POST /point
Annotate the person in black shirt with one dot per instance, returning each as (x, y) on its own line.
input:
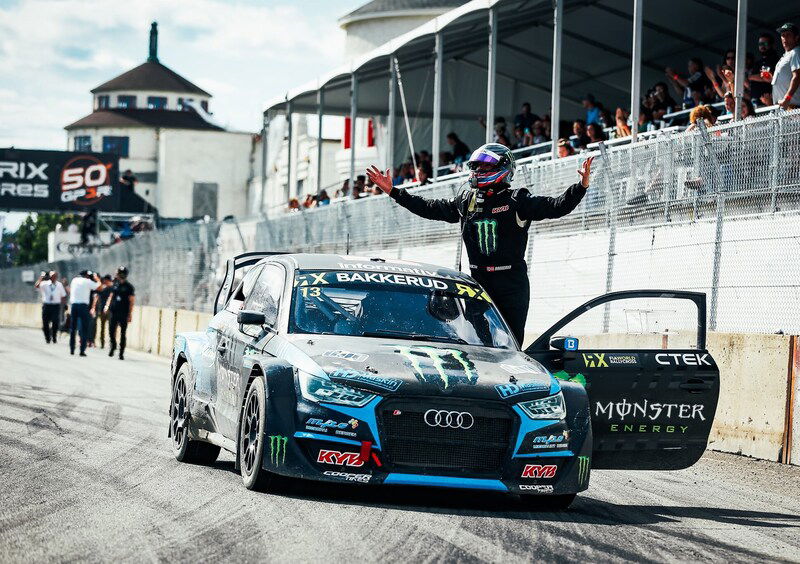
(460, 150)
(98, 308)
(494, 221)
(120, 309)
(764, 64)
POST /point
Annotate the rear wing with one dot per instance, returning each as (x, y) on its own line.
(234, 265)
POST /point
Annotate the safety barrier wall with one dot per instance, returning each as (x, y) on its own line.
(759, 400)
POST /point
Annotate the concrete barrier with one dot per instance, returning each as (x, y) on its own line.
(167, 333)
(752, 404)
(759, 406)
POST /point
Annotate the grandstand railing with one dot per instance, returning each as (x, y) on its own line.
(714, 210)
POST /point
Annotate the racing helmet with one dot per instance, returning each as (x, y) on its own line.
(492, 163)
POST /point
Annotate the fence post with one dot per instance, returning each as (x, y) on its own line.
(775, 164)
(669, 174)
(716, 171)
(612, 231)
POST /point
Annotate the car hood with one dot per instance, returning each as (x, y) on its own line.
(401, 367)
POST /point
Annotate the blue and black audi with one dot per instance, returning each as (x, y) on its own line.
(370, 371)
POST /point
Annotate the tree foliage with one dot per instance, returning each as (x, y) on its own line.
(32, 235)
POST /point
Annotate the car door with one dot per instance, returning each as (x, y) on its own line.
(228, 378)
(652, 385)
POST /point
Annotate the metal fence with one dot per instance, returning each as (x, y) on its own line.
(714, 210)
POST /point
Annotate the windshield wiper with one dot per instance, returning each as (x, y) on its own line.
(413, 336)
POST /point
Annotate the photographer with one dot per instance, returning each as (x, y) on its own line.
(53, 293)
(80, 294)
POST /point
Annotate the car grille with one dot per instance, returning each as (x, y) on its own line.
(409, 443)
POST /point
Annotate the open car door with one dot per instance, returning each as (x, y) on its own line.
(235, 269)
(652, 385)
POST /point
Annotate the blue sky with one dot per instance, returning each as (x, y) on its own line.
(52, 52)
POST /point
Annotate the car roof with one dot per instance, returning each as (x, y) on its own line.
(374, 263)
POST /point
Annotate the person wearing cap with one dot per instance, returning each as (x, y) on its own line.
(119, 306)
(53, 293)
(79, 299)
(786, 78)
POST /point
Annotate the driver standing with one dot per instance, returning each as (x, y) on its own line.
(494, 221)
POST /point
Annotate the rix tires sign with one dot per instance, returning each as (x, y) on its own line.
(58, 181)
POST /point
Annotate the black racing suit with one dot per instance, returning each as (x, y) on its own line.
(496, 236)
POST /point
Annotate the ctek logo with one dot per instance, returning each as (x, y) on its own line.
(277, 449)
(687, 359)
(487, 235)
(583, 470)
(440, 366)
(539, 471)
(500, 209)
(352, 459)
(595, 360)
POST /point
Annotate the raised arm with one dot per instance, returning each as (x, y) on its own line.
(436, 209)
(543, 207)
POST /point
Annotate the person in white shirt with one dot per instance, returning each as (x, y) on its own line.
(80, 291)
(786, 80)
(53, 294)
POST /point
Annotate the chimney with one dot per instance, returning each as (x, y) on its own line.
(153, 43)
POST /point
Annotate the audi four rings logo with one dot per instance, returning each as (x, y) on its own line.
(449, 419)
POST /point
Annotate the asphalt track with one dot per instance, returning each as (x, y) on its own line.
(86, 474)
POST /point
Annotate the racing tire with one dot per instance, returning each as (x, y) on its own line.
(251, 438)
(550, 502)
(184, 448)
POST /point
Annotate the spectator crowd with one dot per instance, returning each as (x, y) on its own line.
(700, 92)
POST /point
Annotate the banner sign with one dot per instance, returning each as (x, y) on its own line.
(58, 181)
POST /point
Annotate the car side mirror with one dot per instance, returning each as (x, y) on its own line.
(250, 317)
(564, 343)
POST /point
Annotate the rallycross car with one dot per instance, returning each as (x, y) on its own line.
(369, 371)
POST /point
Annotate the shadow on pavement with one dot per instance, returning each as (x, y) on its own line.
(585, 509)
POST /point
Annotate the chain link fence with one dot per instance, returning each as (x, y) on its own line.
(714, 210)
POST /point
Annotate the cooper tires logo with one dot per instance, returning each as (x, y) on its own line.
(449, 419)
(85, 180)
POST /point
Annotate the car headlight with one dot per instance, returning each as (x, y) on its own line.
(551, 407)
(318, 390)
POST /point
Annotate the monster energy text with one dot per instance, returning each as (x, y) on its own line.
(487, 235)
(277, 449)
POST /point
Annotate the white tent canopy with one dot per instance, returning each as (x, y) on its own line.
(595, 58)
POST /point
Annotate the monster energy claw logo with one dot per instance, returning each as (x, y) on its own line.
(277, 449)
(583, 470)
(444, 361)
(487, 235)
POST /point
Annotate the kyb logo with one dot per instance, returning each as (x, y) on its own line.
(449, 419)
(20, 179)
(539, 471)
(352, 459)
(442, 367)
(487, 235)
(595, 360)
(687, 359)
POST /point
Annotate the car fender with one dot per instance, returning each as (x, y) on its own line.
(197, 349)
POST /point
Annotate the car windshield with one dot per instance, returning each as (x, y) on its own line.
(398, 306)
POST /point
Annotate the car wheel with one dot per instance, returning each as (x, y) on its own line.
(251, 438)
(185, 449)
(549, 502)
